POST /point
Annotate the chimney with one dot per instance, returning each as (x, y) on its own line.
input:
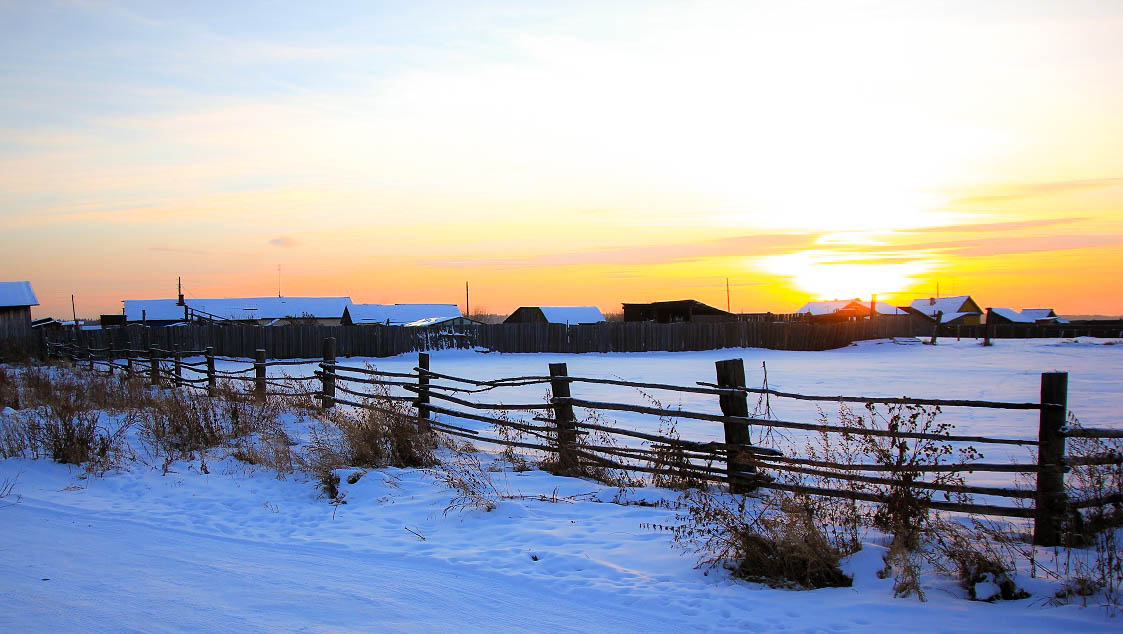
(931, 301)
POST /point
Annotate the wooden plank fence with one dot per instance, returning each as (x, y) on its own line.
(742, 466)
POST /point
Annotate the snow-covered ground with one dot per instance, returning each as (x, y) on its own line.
(238, 548)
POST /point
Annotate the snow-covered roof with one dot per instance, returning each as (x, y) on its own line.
(945, 305)
(833, 306)
(1043, 314)
(430, 321)
(239, 308)
(17, 294)
(1012, 315)
(400, 314)
(572, 314)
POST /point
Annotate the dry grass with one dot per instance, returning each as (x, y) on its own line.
(776, 540)
(384, 434)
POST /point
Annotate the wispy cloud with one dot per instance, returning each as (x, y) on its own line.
(745, 245)
(995, 226)
(1033, 190)
(283, 241)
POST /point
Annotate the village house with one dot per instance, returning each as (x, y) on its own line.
(960, 310)
(1007, 316)
(676, 311)
(571, 315)
(257, 311)
(16, 300)
(846, 310)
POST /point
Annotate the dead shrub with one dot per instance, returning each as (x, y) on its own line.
(383, 433)
(983, 567)
(776, 541)
(9, 390)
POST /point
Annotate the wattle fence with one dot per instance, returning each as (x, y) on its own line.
(439, 402)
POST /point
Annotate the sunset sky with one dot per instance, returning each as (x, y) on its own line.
(565, 152)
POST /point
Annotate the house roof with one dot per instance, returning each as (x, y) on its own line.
(693, 305)
(1041, 314)
(239, 308)
(400, 314)
(833, 306)
(945, 305)
(1012, 315)
(571, 314)
(17, 294)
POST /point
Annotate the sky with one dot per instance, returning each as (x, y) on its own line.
(563, 153)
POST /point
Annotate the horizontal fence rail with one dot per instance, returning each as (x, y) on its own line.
(579, 443)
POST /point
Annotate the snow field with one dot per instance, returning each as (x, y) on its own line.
(238, 548)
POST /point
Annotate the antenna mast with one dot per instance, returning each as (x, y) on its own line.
(278, 280)
(467, 306)
(727, 295)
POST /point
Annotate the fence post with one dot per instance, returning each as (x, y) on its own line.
(1050, 504)
(154, 361)
(177, 364)
(936, 328)
(564, 419)
(327, 394)
(130, 361)
(259, 375)
(731, 374)
(423, 391)
(90, 358)
(212, 383)
(988, 328)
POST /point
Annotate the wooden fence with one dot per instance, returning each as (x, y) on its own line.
(303, 342)
(555, 429)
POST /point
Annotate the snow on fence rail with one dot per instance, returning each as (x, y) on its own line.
(566, 437)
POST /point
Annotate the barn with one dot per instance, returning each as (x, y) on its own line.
(676, 311)
(1043, 316)
(16, 300)
(571, 315)
(400, 314)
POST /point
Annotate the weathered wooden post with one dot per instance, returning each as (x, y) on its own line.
(90, 359)
(177, 365)
(936, 328)
(130, 361)
(1050, 505)
(731, 374)
(259, 375)
(154, 365)
(423, 391)
(988, 328)
(564, 419)
(212, 382)
(327, 392)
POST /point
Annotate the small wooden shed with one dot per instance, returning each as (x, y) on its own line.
(16, 300)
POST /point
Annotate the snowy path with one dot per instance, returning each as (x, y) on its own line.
(232, 551)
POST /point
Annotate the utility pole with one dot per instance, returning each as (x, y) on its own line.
(278, 280)
(179, 290)
(467, 306)
(727, 295)
(74, 312)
